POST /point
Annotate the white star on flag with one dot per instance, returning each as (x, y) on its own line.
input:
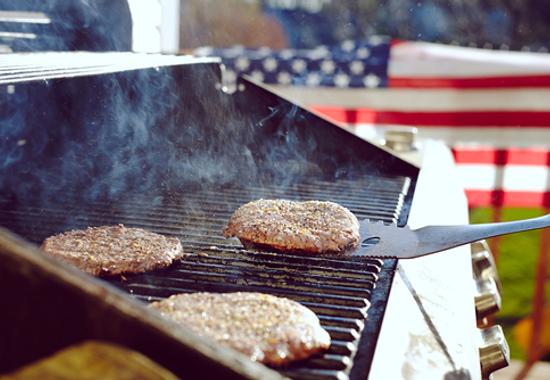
(356, 67)
(362, 53)
(299, 65)
(341, 80)
(371, 81)
(313, 79)
(328, 66)
(242, 63)
(270, 64)
(284, 78)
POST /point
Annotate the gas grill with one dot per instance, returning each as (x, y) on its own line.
(155, 142)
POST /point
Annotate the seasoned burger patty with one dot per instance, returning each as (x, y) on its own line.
(268, 329)
(111, 250)
(305, 227)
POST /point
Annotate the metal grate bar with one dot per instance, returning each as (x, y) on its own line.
(315, 374)
(216, 217)
(223, 206)
(307, 295)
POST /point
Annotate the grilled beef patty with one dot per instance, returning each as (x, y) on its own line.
(111, 250)
(304, 227)
(268, 329)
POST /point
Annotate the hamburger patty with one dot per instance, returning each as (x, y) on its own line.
(111, 250)
(286, 226)
(268, 329)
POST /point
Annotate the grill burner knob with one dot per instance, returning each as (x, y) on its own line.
(488, 300)
(494, 352)
(483, 263)
(401, 139)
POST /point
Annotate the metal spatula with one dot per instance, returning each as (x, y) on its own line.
(383, 240)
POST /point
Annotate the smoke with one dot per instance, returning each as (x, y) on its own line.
(154, 132)
(150, 132)
(156, 135)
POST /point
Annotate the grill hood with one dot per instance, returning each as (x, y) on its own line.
(154, 142)
(141, 124)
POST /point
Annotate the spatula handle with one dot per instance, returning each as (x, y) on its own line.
(444, 237)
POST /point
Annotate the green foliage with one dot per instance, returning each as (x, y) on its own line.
(517, 260)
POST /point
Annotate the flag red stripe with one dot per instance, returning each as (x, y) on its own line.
(508, 156)
(516, 119)
(533, 81)
(499, 198)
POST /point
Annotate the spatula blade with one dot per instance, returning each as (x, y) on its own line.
(381, 240)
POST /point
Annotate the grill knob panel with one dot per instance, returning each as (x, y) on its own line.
(494, 352)
(401, 139)
(483, 264)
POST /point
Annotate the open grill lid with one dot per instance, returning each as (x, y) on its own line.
(149, 142)
(167, 117)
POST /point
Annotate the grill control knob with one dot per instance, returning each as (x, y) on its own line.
(488, 300)
(494, 352)
(401, 139)
(483, 263)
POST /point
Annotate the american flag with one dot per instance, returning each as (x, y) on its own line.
(491, 107)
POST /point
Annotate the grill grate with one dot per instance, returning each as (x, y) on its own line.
(340, 291)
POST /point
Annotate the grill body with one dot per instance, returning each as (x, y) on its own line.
(165, 149)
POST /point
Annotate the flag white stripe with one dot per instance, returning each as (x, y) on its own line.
(507, 178)
(418, 59)
(422, 99)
